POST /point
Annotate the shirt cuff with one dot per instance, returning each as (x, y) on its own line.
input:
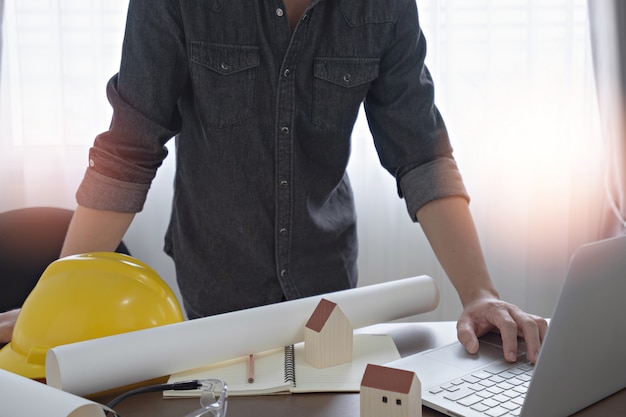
(100, 192)
(437, 179)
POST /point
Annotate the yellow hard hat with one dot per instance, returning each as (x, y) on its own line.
(83, 297)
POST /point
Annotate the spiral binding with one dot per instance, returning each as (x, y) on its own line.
(290, 365)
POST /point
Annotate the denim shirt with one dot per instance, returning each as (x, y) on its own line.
(263, 209)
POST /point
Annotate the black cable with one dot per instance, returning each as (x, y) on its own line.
(177, 386)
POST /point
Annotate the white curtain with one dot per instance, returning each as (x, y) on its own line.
(514, 83)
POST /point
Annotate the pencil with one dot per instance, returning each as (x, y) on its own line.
(251, 368)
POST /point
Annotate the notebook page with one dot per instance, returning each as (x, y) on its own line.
(269, 372)
(367, 348)
(269, 375)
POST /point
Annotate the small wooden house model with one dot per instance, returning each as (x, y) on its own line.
(328, 336)
(390, 392)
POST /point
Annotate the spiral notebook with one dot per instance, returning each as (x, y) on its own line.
(284, 370)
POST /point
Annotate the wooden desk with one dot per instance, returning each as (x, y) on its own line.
(409, 337)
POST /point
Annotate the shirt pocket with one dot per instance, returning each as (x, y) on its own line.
(224, 81)
(340, 85)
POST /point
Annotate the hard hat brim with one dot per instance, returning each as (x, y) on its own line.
(14, 362)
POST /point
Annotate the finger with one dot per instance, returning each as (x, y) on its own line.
(543, 327)
(529, 330)
(502, 319)
(7, 323)
(533, 329)
(508, 333)
(467, 335)
(6, 331)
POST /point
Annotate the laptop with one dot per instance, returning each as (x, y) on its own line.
(582, 359)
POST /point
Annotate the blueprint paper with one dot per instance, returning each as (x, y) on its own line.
(23, 397)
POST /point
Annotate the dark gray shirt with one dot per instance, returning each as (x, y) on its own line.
(263, 209)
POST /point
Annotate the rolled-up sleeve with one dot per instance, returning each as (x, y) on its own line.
(153, 71)
(410, 135)
(105, 193)
(434, 180)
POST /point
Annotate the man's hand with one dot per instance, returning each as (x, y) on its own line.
(7, 323)
(486, 314)
(450, 229)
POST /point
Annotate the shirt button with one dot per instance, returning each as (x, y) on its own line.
(279, 12)
(284, 130)
(347, 78)
(283, 183)
(91, 162)
(287, 72)
(283, 273)
(224, 66)
(283, 231)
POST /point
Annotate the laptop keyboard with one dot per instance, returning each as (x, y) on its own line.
(496, 391)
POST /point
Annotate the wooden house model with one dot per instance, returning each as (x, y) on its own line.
(328, 336)
(390, 392)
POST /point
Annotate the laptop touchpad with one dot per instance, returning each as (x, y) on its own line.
(456, 355)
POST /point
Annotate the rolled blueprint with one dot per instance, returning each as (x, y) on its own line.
(111, 362)
(23, 397)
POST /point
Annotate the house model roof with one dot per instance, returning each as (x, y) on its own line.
(321, 314)
(388, 379)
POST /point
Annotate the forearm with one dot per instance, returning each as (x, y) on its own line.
(450, 229)
(95, 231)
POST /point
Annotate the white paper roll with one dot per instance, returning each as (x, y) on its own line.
(115, 361)
(23, 397)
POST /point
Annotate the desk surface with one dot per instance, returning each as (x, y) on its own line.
(409, 337)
